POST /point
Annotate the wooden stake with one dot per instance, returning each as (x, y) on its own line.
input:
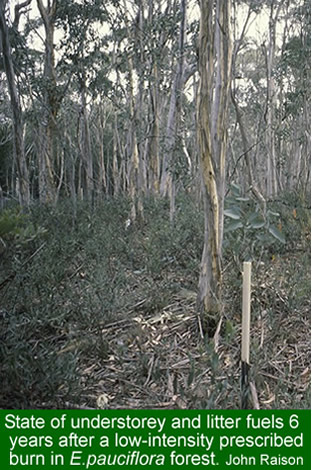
(245, 335)
(246, 311)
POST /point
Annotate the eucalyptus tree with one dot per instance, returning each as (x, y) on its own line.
(214, 58)
(174, 114)
(270, 95)
(85, 59)
(270, 56)
(293, 69)
(135, 166)
(247, 147)
(148, 61)
(51, 104)
(73, 56)
(22, 187)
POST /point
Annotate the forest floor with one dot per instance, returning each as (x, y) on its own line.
(97, 315)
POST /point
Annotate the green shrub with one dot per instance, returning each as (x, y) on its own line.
(17, 226)
(248, 230)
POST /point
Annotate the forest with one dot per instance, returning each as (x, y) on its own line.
(147, 149)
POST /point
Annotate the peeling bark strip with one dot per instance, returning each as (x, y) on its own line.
(214, 55)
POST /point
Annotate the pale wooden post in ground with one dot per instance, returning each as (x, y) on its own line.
(245, 335)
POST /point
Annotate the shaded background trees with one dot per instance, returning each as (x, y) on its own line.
(134, 67)
(22, 186)
(118, 167)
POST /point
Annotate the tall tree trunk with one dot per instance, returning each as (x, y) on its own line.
(215, 55)
(173, 123)
(86, 143)
(154, 136)
(135, 167)
(116, 173)
(271, 177)
(47, 188)
(102, 180)
(18, 139)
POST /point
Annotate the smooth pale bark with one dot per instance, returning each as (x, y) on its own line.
(168, 183)
(135, 168)
(170, 135)
(22, 187)
(271, 176)
(152, 149)
(101, 122)
(174, 116)
(47, 187)
(115, 173)
(119, 177)
(139, 41)
(88, 181)
(117, 148)
(215, 55)
(70, 162)
(154, 167)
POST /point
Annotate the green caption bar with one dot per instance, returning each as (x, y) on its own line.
(171, 439)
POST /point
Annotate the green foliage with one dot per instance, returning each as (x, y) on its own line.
(294, 210)
(178, 246)
(70, 283)
(10, 222)
(89, 271)
(16, 226)
(247, 229)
